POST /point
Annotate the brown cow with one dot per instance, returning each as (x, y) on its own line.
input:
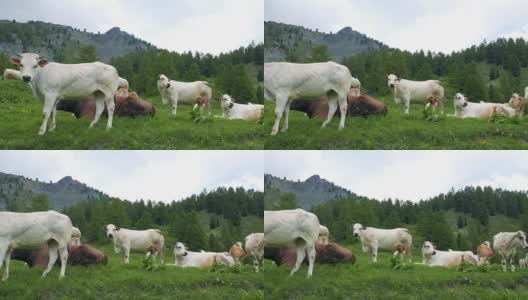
(330, 253)
(126, 105)
(362, 105)
(485, 252)
(83, 255)
(237, 252)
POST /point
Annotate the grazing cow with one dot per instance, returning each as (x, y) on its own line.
(184, 258)
(358, 105)
(75, 237)
(126, 240)
(31, 230)
(420, 91)
(255, 247)
(485, 253)
(482, 110)
(506, 244)
(184, 92)
(374, 239)
(286, 81)
(53, 82)
(518, 104)
(298, 227)
(433, 257)
(237, 252)
(82, 255)
(232, 110)
(126, 105)
(330, 253)
(522, 263)
(323, 235)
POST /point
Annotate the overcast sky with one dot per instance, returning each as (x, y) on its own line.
(407, 175)
(444, 26)
(209, 26)
(156, 175)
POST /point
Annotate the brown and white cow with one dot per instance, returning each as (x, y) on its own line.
(330, 253)
(237, 252)
(485, 253)
(82, 255)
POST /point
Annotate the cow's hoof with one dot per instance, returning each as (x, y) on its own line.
(273, 133)
(41, 132)
(284, 129)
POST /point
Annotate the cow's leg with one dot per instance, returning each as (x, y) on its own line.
(343, 106)
(286, 114)
(162, 255)
(49, 103)
(332, 107)
(52, 257)
(255, 263)
(300, 249)
(110, 107)
(374, 250)
(63, 252)
(406, 103)
(280, 105)
(53, 115)
(503, 261)
(99, 108)
(127, 254)
(512, 260)
(310, 249)
(7, 260)
(174, 102)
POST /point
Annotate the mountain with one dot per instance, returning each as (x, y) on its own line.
(284, 42)
(65, 192)
(58, 42)
(311, 192)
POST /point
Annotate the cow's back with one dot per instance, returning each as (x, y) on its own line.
(284, 227)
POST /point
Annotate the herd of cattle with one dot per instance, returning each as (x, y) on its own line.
(40, 238)
(332, 84)
(291, 235)
(89, 89)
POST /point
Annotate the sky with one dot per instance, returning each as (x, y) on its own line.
(133, 175)
(405, 175)
(439, 26)
(207, 26)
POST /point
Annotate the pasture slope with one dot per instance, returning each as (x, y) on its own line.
(365, 280)
(21, 117)
(116, 281)
(397, 131)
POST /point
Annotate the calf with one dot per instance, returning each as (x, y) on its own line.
(323, 235)
(53, 81)
(184, 258)
(485, 253)
(237, 252)
(406, 91)
(330, 253)
(506, 244)
(232, 110)
(126, 240)
(286, 81)
(184, 92)
(255, 247)
(433, 257)
(82, 255)
(482, 110)
(298, 227)
(31, 230)
(374, 239)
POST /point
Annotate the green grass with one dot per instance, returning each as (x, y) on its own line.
(365, 280)
(21, 117)
(396, 131)
(116, 281)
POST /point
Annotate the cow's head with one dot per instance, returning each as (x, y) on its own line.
(227, 101)
(460, 100)
(237, 251)
(29, 64)
(163, 80)
(180, 249)
(433, 101)
(110, 230)
(521, 237)
(392, 80)
(357, 229)
(153, 250)
(516, 101)
(428, 248)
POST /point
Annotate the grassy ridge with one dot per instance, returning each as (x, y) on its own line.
(396, 131)
(21, 116)
(116, 281)
(365, 280)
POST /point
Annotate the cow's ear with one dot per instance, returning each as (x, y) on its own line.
(42, 61)
(117, 228)
(231, 105)
(15, 60)
(398, 78)
(386, 77)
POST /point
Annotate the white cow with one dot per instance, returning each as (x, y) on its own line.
(184, 258)
(298, 227)
(420, 91)
(433, 257)
(255, 247)
(53, 81)
(483, 110)
(506, 244)
(323, 235)
(75, 237)
(31, 231)
(127, 240)
(232, 110)
(184, 92)
(287, 81)
(374, 239)
(10, 74)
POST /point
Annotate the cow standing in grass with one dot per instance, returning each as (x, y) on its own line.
(506, 244)
(405, 91)
(254, 246)
(126, 240)
(197, 92)
(374, 239)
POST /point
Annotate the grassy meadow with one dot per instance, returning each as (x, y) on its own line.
(397, 131)
(365, 280)
(117, 281)
(21, 116)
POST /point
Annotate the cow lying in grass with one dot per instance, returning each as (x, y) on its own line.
(330, 253)
(483, 110)
(433, 257)
(82, 255)
(184, 258)
(232, 110)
